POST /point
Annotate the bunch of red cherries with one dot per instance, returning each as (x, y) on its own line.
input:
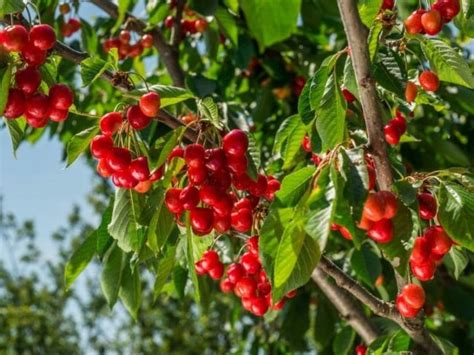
(410, 300)
(190, 24)
(431, 21)
(26, 99)
(246, 278)
(116, 161)
(125, 48)
(395, 128)
(214, 178)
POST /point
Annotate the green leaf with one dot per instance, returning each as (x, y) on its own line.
(447, 63)
(286, 127)
(253, 157)
(164, 146)
(271, 21)
(456, 261)
(170, 95)
(11, 7)
(227, 24)
(92, 68)
(104, 240)
(123, 6)
(368, 10)
(131, 290)
(455, 211)
(294, 186)
(204, 7)
(166, 264)
(374, 39)
(16, 129)
(6, 74)
(111, 276)
(304, 103)
(319, 81)
(366, 264)
(208, 109)
(293, 145)
(80, 259)
(331, 116)
(343, 342)
(79, 143)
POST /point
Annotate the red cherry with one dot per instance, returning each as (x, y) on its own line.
(432, 22)
(235, 143)
(424, 271)
(238, 165)
(391, 204)
(110, 43)
(103, 169)
(137, 119)
(381, 231)
(201, 25)
(216, 272)
(221, 223)
(346, 234)
(427, 206)
(429, 81)
(291, 294)
(404, 309)
(392, 134)
(101, 146)
(399, 122)
(36, 122)
(421, 252)
(42, 36)
(33, 55)
(241, 182)
(259, 187)
(210, 259)
(172, 200)
(209, 194)
(223, 206)
(448, 9)
(202, 220)
(360, 350)
(15, 104)
(241, 220)
(221, 179)
(413, 23)
(348, 96)
(28, 80)
(177, 152)
(306, 144)
(136, 50)
(189, 197)
(243, 203)
(75, 24)
(157, 174)
(279, 305)
(37, 106)
(215, 159)
(252, 245)
(194, 155)
(119, 158)
(200, 270)
(61, 96)
(124, 36)
(124, 179)
(250, 263)
(15, 38)
(169, 21)
(245, 287)
(226, 286)
(235, 272)
(56, 115)
(150, 104)
(110, 123)
(246, 302)
(264, 288)
(147, 40)
(387, 5)
(197, 176)
(441, 243)
(139, 169)
(259, 306)
(413, 295)
(411, 91)
(374, 207)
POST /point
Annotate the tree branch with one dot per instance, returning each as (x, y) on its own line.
(176, 34)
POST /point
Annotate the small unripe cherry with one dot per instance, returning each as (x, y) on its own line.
(404, 309)
(110, 123)
(61, 96)
(15, 104)
(37, 106)
(381, 231)
(427, 206)
(150, 104)
(119, 159)
(432, 22)
(139, 169)
(15, 38)
(56, 115)
(136, 118)
(411, 91)
(28, 80)
(413, 23)
(235, 143)
(413, 295)
(101, 146)
(172, 201)
(33, 55)
(42, 36)
(429, 81)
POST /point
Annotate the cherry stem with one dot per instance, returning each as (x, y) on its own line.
(141, 77)
(36, 10)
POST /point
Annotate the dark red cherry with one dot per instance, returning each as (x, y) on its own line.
(258, 188)
(101, 146)
(202, 220)
(15, 38)
(241, 220)
(110, 123)
(209, 194)
(28, 80)
(221, 223)
(235, 143)
(15, 104)
(139, 169)
(427, 206)
(238, 165)
(137, 119)
(37, 106)
(223, 205)
(194, 155)
(150, 104)
(172, 200)
(61, 97)
(197, 175)
(42, 36)
(189, 197)
(119, 158)
(215, 159)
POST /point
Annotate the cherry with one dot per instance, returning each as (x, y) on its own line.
(392, 134)
(101, 146)
(221, 223)
(226, 286)
(345, 233)
(169, 21)
(15, 104)
(110, 123)
(399, 122)
(365, 223)
(42, 36)
(189, 197)
(15, 38)
(432, 22)
(259, 306)
(124, 36)
(241, 220)
(259, 187)
(252, 246)
(306, 144)
(243, 203)
(200, 25)
(103, 169)
(157, 174)
(177, 152)
(381, 231)
(172, 200)
(279, 305)
(429, 81)
(33, 55)
(360, 349)
(150, 104)
(215, 159)
(57, 115)
(223, 206)
(198, 267)
(36, 122)
(147, 40)
(143, 187)
(64, 8)
(235, 272)
(387, 5)
(413, 295)
(194, 155)
(70, 27)
(413, 23)
(37, 106)
(245, 287)
(209, 194)
(235, 143)
(423, 271)
(202, 220)
(241, 182)
(273, 186)
(391, 204)
(348, 96)
(291, 294)
(119, 158)
(264, 288)
(448, 9)
(421, 252)
(124, 179)
(135, 50)
(221, 179)
(139, 169)
(216, 272)
(404, 309)
(198, 175)
(136, 118)
(427, 206)
(374, 207)
(28, 80)
(411, 91)
(61, 96)
(250, 263)
(246, 302)
(441, 243)
(210, 259)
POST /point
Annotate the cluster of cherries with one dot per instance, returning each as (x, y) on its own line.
(190, 25)
(125, 48)
(379, 209)
(246, 278)
(25, 99)
(116, 161)
(213, 177)
(429, 81)
(71, 26)
(395, 128)
(431, 21)
(410, 300)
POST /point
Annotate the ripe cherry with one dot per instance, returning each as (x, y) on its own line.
(399, 122)
(189, 197)
(387, 5)
(210, 259)
(235, 272)
(391, 204)
(381, 231)
(360, 349)
(169, 21)
(392, 134)
(221, 224)
(143, 187)
(235, 143)
(124, 179)
(15, 104)
(101, 146)
(413, 295)
(15, 38)
(374, 207)
(365, 223)
(139, 169)
(147, 40)
(348, 96)
(250, 263)
(259, 306)
(279, 305)
(245, 287)
(215, 159)
(404, 309)
(61, 96)
(177, 152)
(56, 115)
(202, 220)
(124, 36)
(216, 272)
(258, 188)
(136, 118)
(432, 22)
(103, 169)
(42, 36)
(221, 179)
(421, 252)
(306, 144)
(424, 271)
(33, 55)
(110, 123)
(429, 81)
(194, 155)
(37, 106)
(172, 200)
(200, 270)
(150, 104)
(201, 25)
(413, 23)
(157, 174)
(226, 286)
(441, 243)
(119, 158)
(411, 91)
(28, 80)
(241, 220)
(209, 194)
(223, 206)
(427, 206)
(198, 175)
